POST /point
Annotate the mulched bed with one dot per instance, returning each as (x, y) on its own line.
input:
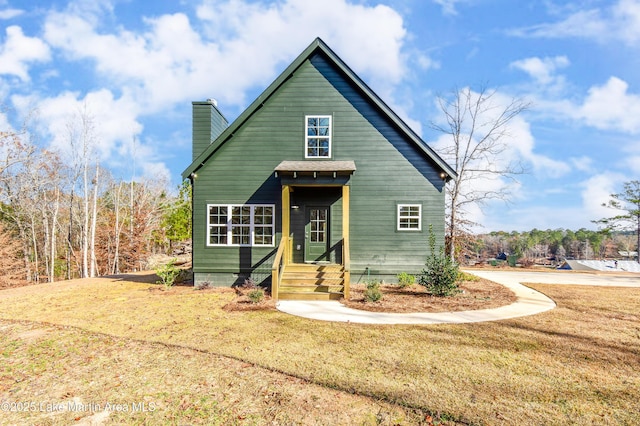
(481, 294)
(243, 303)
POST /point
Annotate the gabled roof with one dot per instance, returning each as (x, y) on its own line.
(319, 45)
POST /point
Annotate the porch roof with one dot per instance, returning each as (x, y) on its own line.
(341, 166)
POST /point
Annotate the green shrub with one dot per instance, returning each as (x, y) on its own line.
(372, 293)
(463, 276)
(256, 295)
(406, 280)
(168, 273)
(440, 277)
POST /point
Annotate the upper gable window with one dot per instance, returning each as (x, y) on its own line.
(318, 136)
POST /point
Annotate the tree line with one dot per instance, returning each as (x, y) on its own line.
(551, 245)
(63, 218)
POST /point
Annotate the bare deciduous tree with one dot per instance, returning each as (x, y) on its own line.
(477, 129)
(82, 135)
(70, 219)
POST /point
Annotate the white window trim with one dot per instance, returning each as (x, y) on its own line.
(307, 137)
(399, 216)
(252, 225)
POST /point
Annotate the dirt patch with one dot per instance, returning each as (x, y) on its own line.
(242, 302)
(33, 335)
(480, 294)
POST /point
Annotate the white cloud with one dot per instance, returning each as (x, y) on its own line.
(583, 163)
(611, 107)
(626, 21)
(5, 124)
(232, 47)
(19, 50)
(448, 6)
(523, 142)
(153, 67)
(517, 137)
(542, 69)
(596, 191)
(259, 33)
(10, 13)
(608, 107)
(619, 22)
(157, 171)
(631, 159)
(425, 62)
(113, 120)
(242, 47)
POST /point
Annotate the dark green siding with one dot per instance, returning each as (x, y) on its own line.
(390, 170)
(208, 124)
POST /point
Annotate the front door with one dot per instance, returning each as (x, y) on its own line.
(316, 234)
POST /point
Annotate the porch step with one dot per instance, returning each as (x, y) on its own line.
(312, 282)
(309, 296)
(299, 279)
(314, 267)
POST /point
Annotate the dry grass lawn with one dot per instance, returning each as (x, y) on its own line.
(124, 341)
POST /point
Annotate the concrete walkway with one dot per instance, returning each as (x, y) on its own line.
(530, 302)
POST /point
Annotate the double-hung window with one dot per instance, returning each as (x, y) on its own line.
(317, 136)
(240, 225)
(409, 217)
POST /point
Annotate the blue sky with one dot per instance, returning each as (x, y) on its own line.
(135, 67)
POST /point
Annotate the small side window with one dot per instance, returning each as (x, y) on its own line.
(409, 217)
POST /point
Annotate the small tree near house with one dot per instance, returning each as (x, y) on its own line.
(440, 277)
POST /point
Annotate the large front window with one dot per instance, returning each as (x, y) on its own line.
(240, 225)
(318, 136)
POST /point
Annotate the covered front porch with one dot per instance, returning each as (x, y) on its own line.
(313, 257)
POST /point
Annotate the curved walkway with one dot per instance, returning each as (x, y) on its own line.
(530, 302)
